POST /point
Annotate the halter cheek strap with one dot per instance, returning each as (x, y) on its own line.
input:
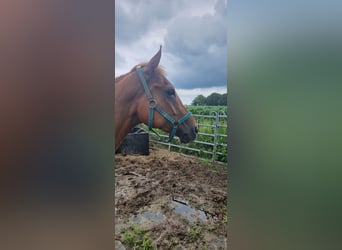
(154, 106)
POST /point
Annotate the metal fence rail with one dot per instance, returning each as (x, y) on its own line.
(211, 139)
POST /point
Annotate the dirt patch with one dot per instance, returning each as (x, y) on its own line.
(179, 201)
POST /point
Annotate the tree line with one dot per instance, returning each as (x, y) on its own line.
(214, 99)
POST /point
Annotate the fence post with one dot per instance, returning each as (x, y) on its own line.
(215, 136)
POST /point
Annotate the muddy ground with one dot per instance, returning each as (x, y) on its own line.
(180, 202)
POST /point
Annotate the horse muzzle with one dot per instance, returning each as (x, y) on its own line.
(187, 133)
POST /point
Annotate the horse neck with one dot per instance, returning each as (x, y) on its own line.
(126, 118)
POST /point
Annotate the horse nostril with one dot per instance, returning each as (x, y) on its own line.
(196, 130)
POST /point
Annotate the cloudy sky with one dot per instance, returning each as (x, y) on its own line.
(193, 35)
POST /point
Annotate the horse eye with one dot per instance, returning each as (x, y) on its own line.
(171, 92)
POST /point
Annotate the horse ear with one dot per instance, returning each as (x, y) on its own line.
(153, 63)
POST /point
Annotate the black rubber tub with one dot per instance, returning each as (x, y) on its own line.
(136, 142)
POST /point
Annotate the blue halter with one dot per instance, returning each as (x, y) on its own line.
(154, 106)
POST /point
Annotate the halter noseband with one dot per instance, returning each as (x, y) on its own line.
(154, 106)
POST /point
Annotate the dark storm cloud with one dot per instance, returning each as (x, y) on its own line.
(201, 43)
(194, 40)
(134, 18)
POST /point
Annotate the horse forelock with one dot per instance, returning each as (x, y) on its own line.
(159, 70)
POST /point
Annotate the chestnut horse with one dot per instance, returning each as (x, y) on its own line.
(145, 95)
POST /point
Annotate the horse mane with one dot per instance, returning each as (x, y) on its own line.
(159, 70)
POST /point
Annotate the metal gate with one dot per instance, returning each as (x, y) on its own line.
(211, 142)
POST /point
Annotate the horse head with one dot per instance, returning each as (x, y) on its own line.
(171, 115)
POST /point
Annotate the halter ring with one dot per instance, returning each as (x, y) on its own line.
(152, 103)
